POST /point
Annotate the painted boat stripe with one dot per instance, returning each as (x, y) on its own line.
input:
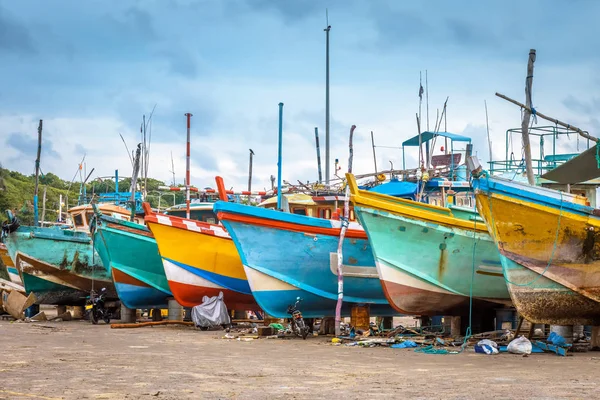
(390, 273)
(275, 224)
(235, 284)
(177, 274)
(490, 268)
(313, 290)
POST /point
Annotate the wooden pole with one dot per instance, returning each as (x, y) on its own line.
(527, 118)
(374, 157)
(340, 274)
(37, 174)
(136, 169)
(250, 172)
(553, 120)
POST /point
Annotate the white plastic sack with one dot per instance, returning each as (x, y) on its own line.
(520, 345)
(212, 312)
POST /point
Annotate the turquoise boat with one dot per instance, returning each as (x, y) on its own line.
(430, 259)
(130, 256)
(60, 266)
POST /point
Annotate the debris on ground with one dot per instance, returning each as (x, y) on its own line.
(520, 345)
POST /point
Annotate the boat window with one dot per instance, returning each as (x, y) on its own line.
(89, 216)
(325, 213)
(434, 202)
(299, 210)
(207, 216)
(460, 202)
(78, 219)
(352, 216)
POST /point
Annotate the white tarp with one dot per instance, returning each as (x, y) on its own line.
(212, 312)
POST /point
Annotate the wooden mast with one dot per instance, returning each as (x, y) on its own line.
(37, 174)
(527, 117)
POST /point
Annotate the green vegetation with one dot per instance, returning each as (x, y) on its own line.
(16, 194)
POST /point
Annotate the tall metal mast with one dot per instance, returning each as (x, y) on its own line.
(327, 99)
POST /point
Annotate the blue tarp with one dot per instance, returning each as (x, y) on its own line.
(397, 189)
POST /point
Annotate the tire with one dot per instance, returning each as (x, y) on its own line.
(106, 319)
(295, 329)
(304, 330)
(93, 317)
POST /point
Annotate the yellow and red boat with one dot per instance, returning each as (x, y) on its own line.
(549, 243)
(200, 259)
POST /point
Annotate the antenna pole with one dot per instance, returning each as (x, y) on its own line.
(279, 156)
(327, 99)
(374, 157)
(427, 98)
(187, 168)
(487, 125)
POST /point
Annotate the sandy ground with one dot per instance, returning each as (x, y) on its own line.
(76, 360)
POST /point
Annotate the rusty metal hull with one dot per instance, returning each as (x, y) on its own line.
(550, 250)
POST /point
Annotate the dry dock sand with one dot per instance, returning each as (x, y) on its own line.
(76, 360)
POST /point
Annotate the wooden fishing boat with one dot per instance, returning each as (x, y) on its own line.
(549, 248)
(60, 266)
(200, 259)
(290, 255)
(430, 258)
(130, 255)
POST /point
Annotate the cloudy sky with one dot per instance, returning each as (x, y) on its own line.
(90, 69)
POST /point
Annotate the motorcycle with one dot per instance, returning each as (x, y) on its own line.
(297, 324)
(96, 308)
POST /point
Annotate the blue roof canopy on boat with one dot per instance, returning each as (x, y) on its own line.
(427, 136)
(397, 188)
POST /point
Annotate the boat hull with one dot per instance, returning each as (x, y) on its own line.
(427, 268)
(550, 252)
(130, 253)
(288, 256)
(200, 260)
(59, 267)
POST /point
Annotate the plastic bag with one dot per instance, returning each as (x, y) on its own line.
(556, 339)
(486, 346)
(488, 342)
(520, 345)
(404, 345)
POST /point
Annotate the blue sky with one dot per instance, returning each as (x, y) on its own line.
(91, 68)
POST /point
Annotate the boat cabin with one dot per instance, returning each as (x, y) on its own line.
(326, 207)
(201, 211)
(81, 216)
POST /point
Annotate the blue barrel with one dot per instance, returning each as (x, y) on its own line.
(32, 310)
(504, 315)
